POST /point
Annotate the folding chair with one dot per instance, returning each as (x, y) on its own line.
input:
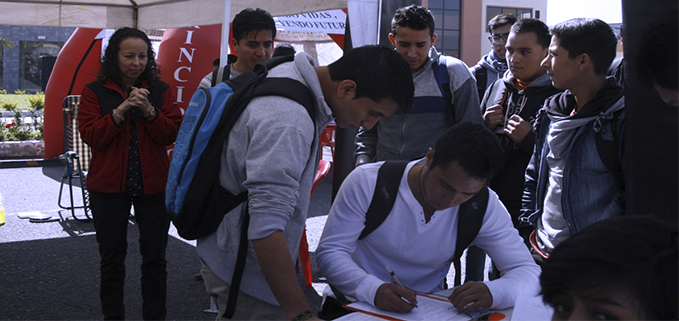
(304, 259)
(328, 138)
(76, 157)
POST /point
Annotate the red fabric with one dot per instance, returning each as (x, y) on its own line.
(534, 244)
(110, 143)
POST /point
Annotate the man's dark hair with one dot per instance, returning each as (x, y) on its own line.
(591, 36)
(215, 63)
(284, 49)
(109, 66)
(252, 20)
(414, 17)
(633, 254)
(536, 26)
(473, 146)
(501, 20)
(379, 73)
(657, 61)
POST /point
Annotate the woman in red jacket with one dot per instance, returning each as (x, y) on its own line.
(128, 117)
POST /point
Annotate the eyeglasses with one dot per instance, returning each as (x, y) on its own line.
(496, 38)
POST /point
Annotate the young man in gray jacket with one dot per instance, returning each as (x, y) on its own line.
(272, 153)
(445, 94)
(493, 65)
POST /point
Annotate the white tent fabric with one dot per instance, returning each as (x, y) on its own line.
(364, 21)
(145, 14)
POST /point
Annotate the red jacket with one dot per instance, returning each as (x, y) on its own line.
(110, 143)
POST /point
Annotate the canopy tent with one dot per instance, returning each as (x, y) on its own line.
(146, 14)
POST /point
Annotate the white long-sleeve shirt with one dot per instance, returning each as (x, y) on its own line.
(419, 252)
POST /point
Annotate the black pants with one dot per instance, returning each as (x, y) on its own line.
(111, 213)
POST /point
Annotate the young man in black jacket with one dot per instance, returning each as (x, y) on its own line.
(509, 107)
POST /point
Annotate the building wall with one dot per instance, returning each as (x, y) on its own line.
(11, 58)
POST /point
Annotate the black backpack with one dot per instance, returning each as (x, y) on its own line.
(471, 212)
(195, 198)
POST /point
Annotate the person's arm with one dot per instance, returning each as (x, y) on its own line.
(519, 272)
(529, 206)
(96, 130)
(163, 122)
(366, 146)
(278, 151)
(340, 235)
(278, 269)
(465, 94)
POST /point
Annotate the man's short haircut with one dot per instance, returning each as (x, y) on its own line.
(636, 254)
(591, 36)
(414, 17)
(252, 20)
(501, 20)
(284, 49)
(536, 26)
(657, 61)
(475, 148)
(379, 72)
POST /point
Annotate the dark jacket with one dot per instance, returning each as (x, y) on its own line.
(110, 143)
(508, 182)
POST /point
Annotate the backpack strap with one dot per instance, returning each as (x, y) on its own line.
(469, 221)
(443, 81)
(291, 89)
(240, 266)
(388, 181)
(288, 88)
(481, 75)
(224, 74)
(609, 151)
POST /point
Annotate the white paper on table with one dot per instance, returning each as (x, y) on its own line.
(429, 308)
(531, 308)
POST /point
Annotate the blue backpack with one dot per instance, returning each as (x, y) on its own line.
(194, 196)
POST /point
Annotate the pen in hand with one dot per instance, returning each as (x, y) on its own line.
(395, 279)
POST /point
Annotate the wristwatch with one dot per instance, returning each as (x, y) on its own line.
(306, 315)
(152, 114)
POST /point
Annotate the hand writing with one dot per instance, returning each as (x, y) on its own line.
(390, 297)
(471, 296)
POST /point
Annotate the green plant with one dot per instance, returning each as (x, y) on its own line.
(9, 106)
(37, 101)
(6, 43)
(20, 92)
(3, 91)
(18, 129)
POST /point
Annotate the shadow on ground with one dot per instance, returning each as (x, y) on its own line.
(58, 279)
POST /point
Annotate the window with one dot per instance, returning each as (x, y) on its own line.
(447, 17)
(32, 54)
(520, 13)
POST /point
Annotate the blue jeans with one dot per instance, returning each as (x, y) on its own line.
(111, 213)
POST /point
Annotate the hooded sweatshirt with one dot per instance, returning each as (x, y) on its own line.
(494, 69)
(273, 154)
(407, 135)
(508, 182)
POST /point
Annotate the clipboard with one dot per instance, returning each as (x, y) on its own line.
(431, 307)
